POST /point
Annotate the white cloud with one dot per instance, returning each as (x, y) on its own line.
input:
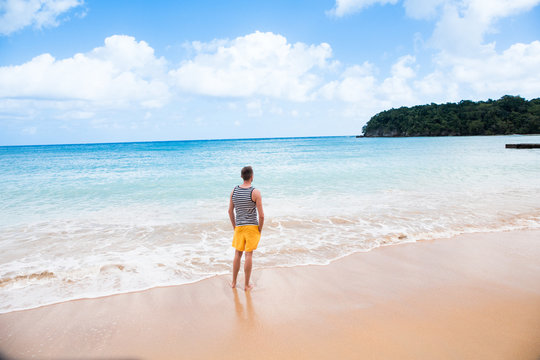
(423, 9)
(513, 71)
(488, 75)
(463, 25)
(254, 108)
(397, 88)
(256, 64)
(438, 87)
(117, 85)
(29, 130)
(359, 85)
(18, 14)
(460, 25)
(464, 66)
(120, 73)
(276, 110)
(76, 115)
(344, 7)
(486, 10)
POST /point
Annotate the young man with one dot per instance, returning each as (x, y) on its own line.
(247, 201)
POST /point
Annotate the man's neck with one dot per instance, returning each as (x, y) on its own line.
(246, 184)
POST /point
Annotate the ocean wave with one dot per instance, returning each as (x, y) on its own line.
(98, 259)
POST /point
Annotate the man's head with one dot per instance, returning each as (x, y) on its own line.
(247, 173)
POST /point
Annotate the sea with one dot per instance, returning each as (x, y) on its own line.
(83, 221)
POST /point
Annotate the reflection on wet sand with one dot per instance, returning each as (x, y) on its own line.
(245, 313)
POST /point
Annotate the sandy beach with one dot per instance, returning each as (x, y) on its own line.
(475, 296)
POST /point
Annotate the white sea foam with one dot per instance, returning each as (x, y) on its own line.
(86, 258)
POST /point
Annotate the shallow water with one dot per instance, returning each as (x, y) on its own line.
(90, 220)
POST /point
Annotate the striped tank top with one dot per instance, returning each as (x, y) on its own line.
(245, 207)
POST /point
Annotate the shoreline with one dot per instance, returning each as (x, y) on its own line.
(481, 285)
(329, 262)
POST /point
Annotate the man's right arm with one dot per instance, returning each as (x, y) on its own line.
(258, 201)
(231, 211)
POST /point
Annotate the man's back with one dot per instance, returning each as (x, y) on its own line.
(245, 207)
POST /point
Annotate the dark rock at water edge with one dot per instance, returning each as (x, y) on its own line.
(522, 146)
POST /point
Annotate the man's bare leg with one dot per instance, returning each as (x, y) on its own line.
(247, 270)
(236, 266)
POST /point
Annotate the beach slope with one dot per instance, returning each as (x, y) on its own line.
(475, 296)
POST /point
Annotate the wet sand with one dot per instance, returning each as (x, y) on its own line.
(474, 296)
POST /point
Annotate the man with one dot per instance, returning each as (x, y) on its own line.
(247, 201)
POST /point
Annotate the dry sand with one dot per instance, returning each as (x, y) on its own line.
(474, 296)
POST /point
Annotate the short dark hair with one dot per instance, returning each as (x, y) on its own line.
(247, 173)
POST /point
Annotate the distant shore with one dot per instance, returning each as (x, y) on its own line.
(406, 136)
(474, 296)
(506, 116)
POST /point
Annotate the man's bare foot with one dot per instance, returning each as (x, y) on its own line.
(248, 287)
(233, 284)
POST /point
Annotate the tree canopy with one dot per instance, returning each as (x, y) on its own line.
(508, 115)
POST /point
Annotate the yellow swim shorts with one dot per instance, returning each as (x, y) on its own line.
(246, 237)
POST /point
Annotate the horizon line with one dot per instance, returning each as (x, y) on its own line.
(182, 140)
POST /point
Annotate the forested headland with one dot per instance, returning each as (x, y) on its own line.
(508, 115)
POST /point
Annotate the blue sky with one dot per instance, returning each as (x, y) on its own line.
(74, 71)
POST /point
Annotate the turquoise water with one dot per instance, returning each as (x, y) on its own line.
(97, 219)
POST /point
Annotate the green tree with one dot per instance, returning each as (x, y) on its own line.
(508, 115)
